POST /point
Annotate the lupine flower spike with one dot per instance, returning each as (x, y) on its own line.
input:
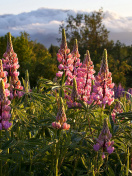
(85, 77)
(103, 89)
(4, 107)
(103, 141)
(61, 118)
(10, 63)
(73, 67)
(66, 61)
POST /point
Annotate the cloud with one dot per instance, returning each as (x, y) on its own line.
(43, 25)
(116, 23)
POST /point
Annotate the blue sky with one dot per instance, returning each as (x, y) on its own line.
(121, 7)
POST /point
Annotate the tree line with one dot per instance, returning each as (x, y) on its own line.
(91, 34)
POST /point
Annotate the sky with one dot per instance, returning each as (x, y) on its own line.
(41, 18)
(122, 7)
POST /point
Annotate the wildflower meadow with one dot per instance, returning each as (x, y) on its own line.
(78, 124)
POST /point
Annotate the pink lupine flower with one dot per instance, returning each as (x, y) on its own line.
(59, 74)
(61, 118)
(56, 125)
(61, 67)
(65, 126)
(103, 141)
(63, 55)
(10, 63)
(103, 156)
(85, 77)
(103, 86)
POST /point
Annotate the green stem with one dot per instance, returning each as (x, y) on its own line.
(57, 153)
(30, 168)
(127, 167)
(101, 115)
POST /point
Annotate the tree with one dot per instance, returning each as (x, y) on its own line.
(90, 32)
(119, 63)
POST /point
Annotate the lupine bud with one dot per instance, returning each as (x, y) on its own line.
(64, 43)
(61, 118)
(74, 93)
(74, 96)
(26, 84)
(104, 66)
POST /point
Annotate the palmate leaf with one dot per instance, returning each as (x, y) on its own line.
(110, 171)
(125, 116)
(45, 82)
(9, 144)
(10, 157)
(21, 114)
(44, 147)
(83, 104)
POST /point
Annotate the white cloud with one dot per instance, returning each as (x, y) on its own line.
(46, 22)
(116, 23)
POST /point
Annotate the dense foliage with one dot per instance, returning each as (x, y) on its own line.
(77, 124)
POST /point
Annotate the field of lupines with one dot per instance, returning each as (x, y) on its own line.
(77, 124)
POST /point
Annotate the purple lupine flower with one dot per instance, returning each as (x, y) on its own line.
(103, 141)
(4, 102)
(4, 107)
(118, 90)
